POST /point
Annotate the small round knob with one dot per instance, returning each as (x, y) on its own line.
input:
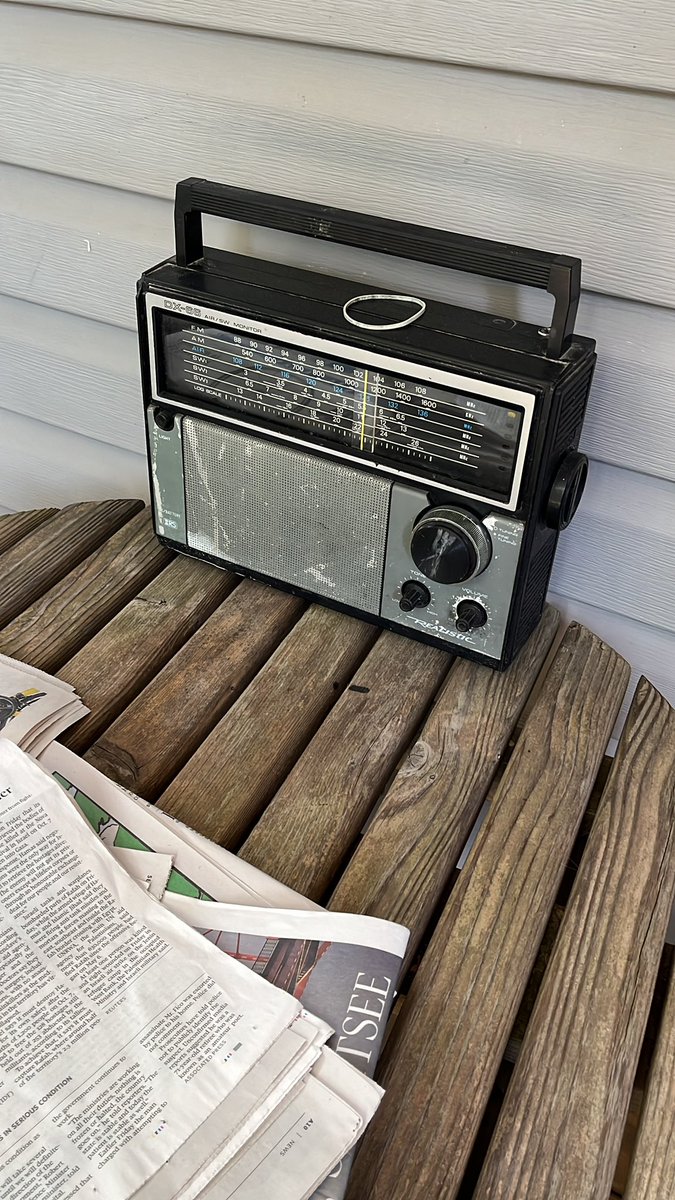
(470, 615)
(450, 546)
(164, 418)
(414, 595)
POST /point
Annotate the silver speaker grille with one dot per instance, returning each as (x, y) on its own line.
(291, 515)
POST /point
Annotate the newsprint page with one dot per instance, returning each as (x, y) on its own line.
(124, 1033)
(173, 1024)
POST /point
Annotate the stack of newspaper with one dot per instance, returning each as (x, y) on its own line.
(136, 1058)
(34, 707)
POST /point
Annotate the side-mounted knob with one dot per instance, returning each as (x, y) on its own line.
(566, 490)
(448, 545)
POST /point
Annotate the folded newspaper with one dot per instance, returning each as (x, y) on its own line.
(138, 1060)
(344, 967)
(141, 1061)
(34, 707)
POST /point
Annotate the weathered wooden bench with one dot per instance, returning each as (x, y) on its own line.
(352, 765)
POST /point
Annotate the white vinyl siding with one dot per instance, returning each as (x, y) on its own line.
(550, 125)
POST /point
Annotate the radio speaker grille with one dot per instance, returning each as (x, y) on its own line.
(301, 519)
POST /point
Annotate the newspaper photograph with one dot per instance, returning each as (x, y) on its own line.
(124, 821)
(344, 968)
(34, 707)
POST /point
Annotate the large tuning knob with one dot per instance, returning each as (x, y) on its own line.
(450, 546)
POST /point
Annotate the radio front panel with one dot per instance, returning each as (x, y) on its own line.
(403, 418)
(321, 527)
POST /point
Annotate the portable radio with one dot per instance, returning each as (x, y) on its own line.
(410, 463)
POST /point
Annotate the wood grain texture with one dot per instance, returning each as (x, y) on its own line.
(625, 45)
(251, 750)
(43, 465)
(534, 982)
(465, 149)
(16, 525)
(47, 223)
(649, 650)
(150, 742)
(411, 847)
(57, 546)
(652, 1171)
(447, 1044)
(58, 623)
(334, 784)
(111, 669)
(560, 1127)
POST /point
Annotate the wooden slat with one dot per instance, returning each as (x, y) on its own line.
(111, 670)
(15, 526)
(626, 44)
(332, 788)
(652, 1171)
(649, 650)
(560, 1128)
(446, 1046)
(53, 628)
(410, 849)
(150, 742)
(243, 762)
(47, 554)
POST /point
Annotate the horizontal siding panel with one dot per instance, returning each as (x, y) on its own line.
(619, 552)
(628, 43)
(81, 247)
(71, 372)
(76, 246)
(138, 105)
(42, 466)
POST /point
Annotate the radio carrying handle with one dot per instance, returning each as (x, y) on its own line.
(558, 274)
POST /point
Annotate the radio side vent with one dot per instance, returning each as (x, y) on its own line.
(536, 586)
(572, 407)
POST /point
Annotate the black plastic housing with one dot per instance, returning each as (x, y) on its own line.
(556, 365)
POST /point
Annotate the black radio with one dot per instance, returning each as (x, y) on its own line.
(409, 462)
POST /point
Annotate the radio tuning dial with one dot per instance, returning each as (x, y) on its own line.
(448, 545)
